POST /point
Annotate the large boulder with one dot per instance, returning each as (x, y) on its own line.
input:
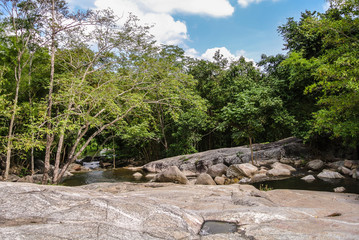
(329, 174)
(172, 174)
(279, 165)
(217, 170)
(205, 179)
(287, 149)
(241, 170)
(278, 172)
(315, 164)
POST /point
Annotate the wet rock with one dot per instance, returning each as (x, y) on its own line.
(309, 178)
(220, 180)
(339, 189)
(315, 164)
(75, 167)
(205, 179)
(217, 170)
(346, 171)
(329, 174)
(137, 175)
(172, 174)
(260, 177)
(241, 170)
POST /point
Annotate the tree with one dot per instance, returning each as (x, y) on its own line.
(254, 108)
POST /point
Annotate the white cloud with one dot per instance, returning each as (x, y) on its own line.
(213, 8)
(166, 29)
(245, 3)
(208, 55)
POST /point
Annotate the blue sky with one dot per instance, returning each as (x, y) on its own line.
(237, 27)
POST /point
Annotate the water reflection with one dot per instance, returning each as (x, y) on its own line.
(351, 185)
(117, 175)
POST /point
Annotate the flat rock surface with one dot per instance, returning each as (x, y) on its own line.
(169, 211)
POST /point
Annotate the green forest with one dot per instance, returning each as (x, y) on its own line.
(73, 83)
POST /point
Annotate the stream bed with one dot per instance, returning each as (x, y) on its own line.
(126, 175)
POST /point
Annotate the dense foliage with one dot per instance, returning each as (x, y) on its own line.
(73, 83)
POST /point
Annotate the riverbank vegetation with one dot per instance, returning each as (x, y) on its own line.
(75, 82)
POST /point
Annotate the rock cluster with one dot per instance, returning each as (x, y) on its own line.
(272, 161)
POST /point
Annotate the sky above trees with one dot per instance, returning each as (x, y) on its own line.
(238, 27)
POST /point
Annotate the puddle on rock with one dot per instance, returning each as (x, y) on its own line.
(215, 227)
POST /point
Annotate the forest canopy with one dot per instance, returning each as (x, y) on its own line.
(73, 83)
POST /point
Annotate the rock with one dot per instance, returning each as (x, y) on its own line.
(205, 179)
(74, 167)
(188, 173)
(245, 180)
(315, 164)
(12, 178)
(241, 170)
(134, 169)
(346, 171)
(355, 173)
(265, 154)
(277, 172)
(286, 161)
(27, 179)
(279, 165)
(260, 177)
(172, 174)
(220, 180)
(217, 170)
(150, 175)
(137, 175)
(336, 165)
(348, 164)
(329, 174)
(339, 189)
(167, 211)
(309, 178)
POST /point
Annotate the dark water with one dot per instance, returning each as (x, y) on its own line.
(125, 175)
(214, 227)
(117, 175)
(351, 185)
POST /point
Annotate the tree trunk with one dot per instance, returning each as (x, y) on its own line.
(49, 135)
(251, 147)
(11, 127)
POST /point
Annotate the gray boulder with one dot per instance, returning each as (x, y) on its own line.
(217, 170)
(278, 172)
(241, 170)
(309, 178)
(205, 179)
(220, 180)
(339, 189)
(346, 171)
(279, 165)
(329, 174)
(315, 165)
(172, 174)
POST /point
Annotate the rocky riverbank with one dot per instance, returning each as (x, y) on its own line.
(172, 211)
(272, 161)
